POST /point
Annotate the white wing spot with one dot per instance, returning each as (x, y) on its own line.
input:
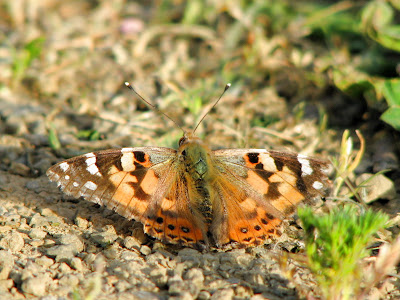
(90, 185)
(124, 150)
(317, 185)
(305, 165)
(64, 166)
(93, 169)
(75, 184)
(268, 161)
(66, 177)
(127, 162)
(91, 158)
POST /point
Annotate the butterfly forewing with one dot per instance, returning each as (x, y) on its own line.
(123, 180)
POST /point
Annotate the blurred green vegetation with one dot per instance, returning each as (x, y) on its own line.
(351, 45)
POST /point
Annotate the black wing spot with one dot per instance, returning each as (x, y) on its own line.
(185, 229)
(269, 216)
(140, 156)
(159, 220)
(265, 222)
(171, 227)
(253, 157)
(257, 227)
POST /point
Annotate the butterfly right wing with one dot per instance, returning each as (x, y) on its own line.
(258, 188)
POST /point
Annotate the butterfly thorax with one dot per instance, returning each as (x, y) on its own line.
(198, 171)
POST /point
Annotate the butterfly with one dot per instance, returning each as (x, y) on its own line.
(194, 196)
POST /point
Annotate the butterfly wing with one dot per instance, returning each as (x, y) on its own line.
(141, 183)
(258, 188)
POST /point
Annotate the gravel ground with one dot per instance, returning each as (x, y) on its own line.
(56, 247)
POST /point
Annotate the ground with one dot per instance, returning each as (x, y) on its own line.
(64, 66)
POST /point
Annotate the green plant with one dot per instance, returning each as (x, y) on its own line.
(336, 243)
(23, 58)
(53, 138)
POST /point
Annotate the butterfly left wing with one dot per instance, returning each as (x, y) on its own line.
(258, 188)
(123, 180)
(143, 183)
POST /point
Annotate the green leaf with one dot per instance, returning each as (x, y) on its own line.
(392, 117)
(53, 139)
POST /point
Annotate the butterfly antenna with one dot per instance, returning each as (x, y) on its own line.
(151, 105)
(216, 102)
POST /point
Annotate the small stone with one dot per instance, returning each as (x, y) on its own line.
(46, 212)
(76, 263)
(72, 240)
(129, 255)
(62, 252)
(131, 243)
(243, 292)
(377, 187)
(44, 261)
(81, 223)
(64, 268)
(12, 241)
(6, 264)
(36, 233)
(36, 243)
(6, 285)
(145, 250)
(195, 276)
(37, 221)
(204, 295)
(35, 285)
(159, 277)
(111, 252)
(224, 294)
(104, 239)
(70, 280)
(20, 169)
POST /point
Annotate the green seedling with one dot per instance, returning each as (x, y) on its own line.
(336, 244)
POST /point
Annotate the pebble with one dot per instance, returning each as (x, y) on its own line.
(44, 261)
(81, 223)
(131, 243)
(145, 250)
(104, 239)
(38, 221)
(35, 285)
(36, 233)
(12, 241)
(62, 252)
(76, 263)
(69, 280)
(129, 255)
(5, 285)
(204, 295)
(223, 294)
(72, 240)
(195, 276)
(6, 264)
(377, 187)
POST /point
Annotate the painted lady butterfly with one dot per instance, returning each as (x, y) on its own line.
(194, 196)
